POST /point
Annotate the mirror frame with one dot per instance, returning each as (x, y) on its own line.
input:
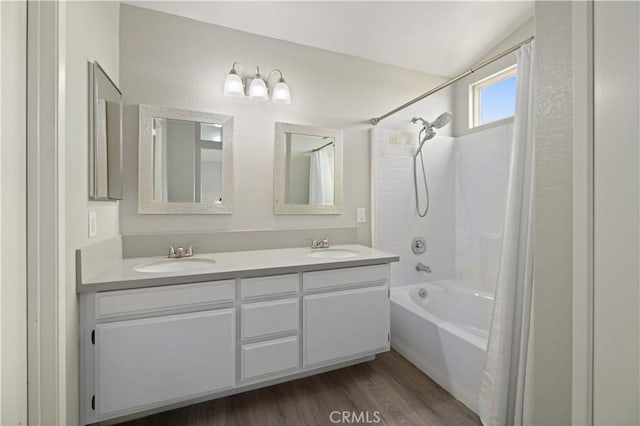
(279, 170)
(114, 143)
(146, 204)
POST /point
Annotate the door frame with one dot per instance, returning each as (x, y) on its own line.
(46, 313)
(583, 213)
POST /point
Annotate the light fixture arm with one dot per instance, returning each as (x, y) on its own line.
(280, 80)
(233, 70)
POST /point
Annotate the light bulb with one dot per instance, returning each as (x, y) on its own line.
(258, 89)
(281, 93)
(233, 85)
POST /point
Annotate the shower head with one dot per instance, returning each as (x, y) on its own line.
(442, 120)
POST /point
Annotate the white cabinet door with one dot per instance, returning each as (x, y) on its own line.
(147, 362)
(342, 324)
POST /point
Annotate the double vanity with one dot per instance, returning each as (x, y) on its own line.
(158, 333)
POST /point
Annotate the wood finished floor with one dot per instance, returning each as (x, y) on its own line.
(390, 384)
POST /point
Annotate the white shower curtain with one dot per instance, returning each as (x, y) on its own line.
(503, 397)
(321, 177)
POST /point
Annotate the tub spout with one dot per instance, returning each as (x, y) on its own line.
(421, 267)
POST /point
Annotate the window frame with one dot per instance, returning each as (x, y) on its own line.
(475, 94)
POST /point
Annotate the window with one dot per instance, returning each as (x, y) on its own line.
(493, 98)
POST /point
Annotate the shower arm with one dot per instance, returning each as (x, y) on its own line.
(462, 75)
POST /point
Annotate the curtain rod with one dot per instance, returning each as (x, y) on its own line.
(323, 146)
(471, 70)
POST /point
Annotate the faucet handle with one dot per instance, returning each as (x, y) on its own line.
(325, 243)
(172, 251)
(189, 251)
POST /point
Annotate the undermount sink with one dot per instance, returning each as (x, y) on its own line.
(330, 253)
(176, 265)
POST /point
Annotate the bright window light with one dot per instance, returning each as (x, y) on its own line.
(493, 98)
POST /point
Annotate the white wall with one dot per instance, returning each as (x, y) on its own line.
(395, 221)
(171, 61)
(616, 279)
(13, 287)
(92, 30)
(553, 214)
(482, 175)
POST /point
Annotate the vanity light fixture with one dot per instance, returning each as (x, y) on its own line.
(258, 87)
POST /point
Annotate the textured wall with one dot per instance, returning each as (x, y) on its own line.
(553, 214)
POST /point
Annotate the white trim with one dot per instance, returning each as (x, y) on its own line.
(583, 110)
(475, 93)
(46, 361)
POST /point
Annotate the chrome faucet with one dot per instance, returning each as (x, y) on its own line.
(318, 244)
(176, 253)
(422, 267)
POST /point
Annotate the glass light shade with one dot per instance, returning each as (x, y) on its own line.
(233, 85)
(281, 94)
(258, 90)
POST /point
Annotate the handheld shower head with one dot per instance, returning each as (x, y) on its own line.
(442, 120)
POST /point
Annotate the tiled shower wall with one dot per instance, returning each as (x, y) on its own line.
(395, 222)
(467, 179)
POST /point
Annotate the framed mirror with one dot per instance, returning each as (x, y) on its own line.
(185, 162)
(307, 170)
(105, 136)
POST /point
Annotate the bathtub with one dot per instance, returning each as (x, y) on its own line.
(444, 334)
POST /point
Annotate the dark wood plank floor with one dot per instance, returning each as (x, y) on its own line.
(391, 385)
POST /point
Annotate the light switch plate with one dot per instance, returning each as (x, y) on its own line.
(93, 224)
(361, 215)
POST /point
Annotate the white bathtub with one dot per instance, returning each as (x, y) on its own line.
(443, 334)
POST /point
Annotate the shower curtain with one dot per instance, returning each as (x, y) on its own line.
(503, 397)
(321, 177)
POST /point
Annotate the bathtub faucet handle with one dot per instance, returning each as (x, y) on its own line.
(422, 267)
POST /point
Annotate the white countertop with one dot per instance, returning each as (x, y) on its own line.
(123, 275)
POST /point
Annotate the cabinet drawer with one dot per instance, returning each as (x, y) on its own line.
(273, 356)
(334, 278)
(153, 361)
(278, 285)
(157, 299)
(267, 318)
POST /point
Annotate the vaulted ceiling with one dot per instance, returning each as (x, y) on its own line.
(436, 37)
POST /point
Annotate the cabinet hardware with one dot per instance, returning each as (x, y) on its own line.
(93, 402)
(93, 336)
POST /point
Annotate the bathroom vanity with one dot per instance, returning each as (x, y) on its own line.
(158, 333)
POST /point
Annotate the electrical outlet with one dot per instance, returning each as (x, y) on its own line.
(361, 215)
(93, 224)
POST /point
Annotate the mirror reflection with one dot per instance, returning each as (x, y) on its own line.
(105, 136)
(187, 161)
(310, 169)
(307, 171)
